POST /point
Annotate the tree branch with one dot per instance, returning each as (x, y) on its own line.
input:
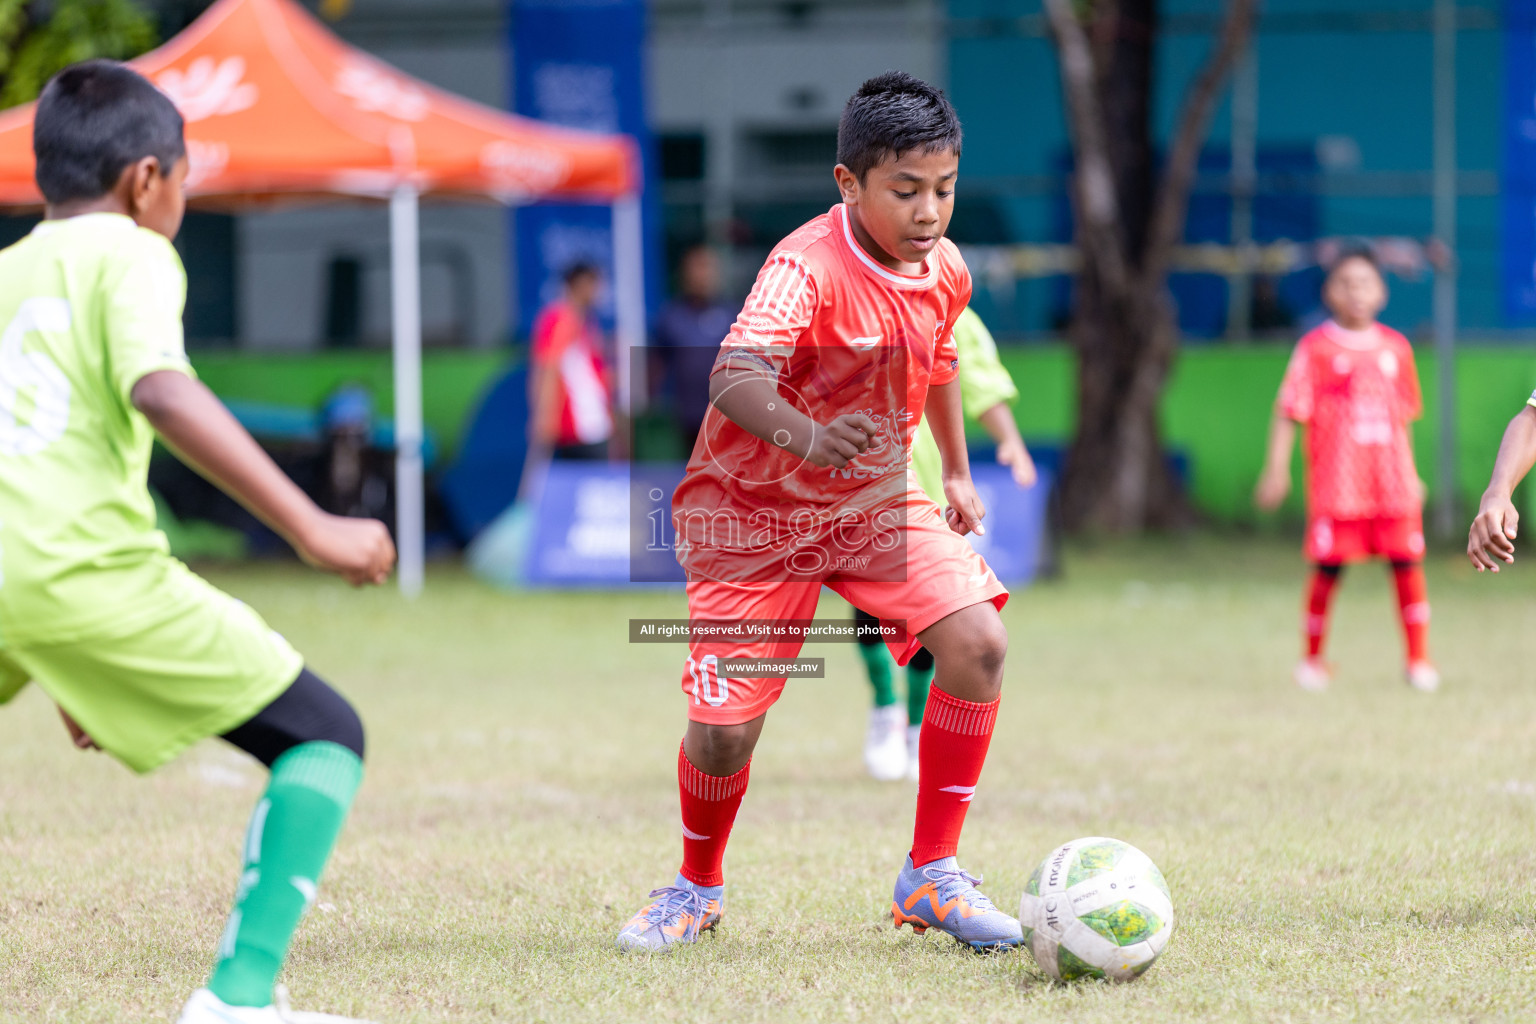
(1093, 181)
(1172, 201)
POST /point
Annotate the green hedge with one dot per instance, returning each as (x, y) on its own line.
(451, 381)
(1216, 409)
(1218, 404)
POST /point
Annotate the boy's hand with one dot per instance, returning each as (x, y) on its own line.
(1273, 486)
(357, 550)
(1015, 456)
(965, 510)
(1492, 537)
(77, 735)
(841, 441)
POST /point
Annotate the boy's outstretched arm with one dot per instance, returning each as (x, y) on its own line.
(1275, 482)
(1002, 428)
(947, 421)
(751, 400)
(1492, 536)
(207, 437)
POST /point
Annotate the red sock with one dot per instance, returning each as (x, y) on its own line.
(709, 803)
(1319, 595)
(951, 748)
(1413, 607)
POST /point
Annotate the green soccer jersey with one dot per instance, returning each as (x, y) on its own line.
(88, 306)
(983, 383)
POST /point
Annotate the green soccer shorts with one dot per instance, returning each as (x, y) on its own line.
(205, 665)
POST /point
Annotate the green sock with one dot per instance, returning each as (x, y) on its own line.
(917, 692)
(289, 839)
(879, 664)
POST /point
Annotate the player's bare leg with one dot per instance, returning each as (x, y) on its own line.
(933, 891)
(969, 647)
(722, 749)
(712, 770)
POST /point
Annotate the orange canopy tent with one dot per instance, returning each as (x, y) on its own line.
(278, 109)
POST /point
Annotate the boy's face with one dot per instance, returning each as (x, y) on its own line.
(1355, 293)
(583, 290)
(904, 203)
(157, 201)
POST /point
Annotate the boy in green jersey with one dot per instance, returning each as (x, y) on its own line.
(142, 656)
(986, 393)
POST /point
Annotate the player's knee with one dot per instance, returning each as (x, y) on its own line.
(327, 716)
(722, 747)
(974, 645)
(989, 647)
(346, 728)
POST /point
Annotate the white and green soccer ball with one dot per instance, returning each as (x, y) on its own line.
(1096, 908)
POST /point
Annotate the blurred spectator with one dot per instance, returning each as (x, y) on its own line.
(356, 475)
(568, 387)
(688, 335)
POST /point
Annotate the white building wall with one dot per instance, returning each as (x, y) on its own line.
(718, 66)
(283, 256)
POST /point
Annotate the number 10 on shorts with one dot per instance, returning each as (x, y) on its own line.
(708, 687)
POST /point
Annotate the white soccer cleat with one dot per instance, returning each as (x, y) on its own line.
(1312, 675)
(1423, 676)
(885, 744)
(913, 732)
(206, 1008)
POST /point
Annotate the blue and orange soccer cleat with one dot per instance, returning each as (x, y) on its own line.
(676, 915)
(941, 895)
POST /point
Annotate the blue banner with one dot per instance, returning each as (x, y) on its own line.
(581, 534)
(1014, 545)
(1519, 171)
(581, 64)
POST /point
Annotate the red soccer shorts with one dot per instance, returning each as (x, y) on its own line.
(1335, 541)
(943, 575)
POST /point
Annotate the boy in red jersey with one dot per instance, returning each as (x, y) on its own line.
(800, 479)
(1353, 383)
(568, 386)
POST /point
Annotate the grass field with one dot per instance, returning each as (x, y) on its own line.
(1365, 854)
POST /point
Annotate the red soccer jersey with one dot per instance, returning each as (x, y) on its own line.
(843, 334)
(1356, 391)
(566, 342)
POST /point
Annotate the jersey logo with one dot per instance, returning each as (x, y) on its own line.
(865, 343)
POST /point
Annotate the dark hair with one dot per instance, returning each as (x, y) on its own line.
(94, 119)
(578, 270)
(891, 114)
(1353, 249)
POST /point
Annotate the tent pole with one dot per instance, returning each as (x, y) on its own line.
(1443, 518)
(405, 296)
(629, 299)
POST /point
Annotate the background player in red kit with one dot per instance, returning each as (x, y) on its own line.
(1353, 383)
(801, 479)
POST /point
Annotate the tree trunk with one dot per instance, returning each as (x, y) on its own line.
(1117, 478)
(1127, 220)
